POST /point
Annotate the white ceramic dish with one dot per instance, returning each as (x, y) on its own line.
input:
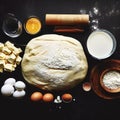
(101, 44)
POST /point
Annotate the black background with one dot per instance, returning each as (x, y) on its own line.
(87, 105)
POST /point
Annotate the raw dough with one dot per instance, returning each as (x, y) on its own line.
(54, 62)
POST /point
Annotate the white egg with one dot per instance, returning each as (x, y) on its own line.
(19, 93)
(19, 85)
(7, 89)
(10, 81)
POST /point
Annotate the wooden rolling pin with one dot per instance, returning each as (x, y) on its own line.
(66, 19)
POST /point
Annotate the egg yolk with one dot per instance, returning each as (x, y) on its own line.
(33, 25)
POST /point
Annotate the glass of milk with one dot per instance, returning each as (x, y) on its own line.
(12, 27)
(101, 44)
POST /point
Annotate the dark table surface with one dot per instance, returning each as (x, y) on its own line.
(87, 105)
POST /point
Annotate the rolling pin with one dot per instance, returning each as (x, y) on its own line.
(70, 29)
(66, 19)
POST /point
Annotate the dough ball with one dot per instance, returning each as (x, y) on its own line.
(54, 62)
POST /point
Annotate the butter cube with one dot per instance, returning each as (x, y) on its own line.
(2, 55)
(1, 46)
(9, 45)
(18, 60)
(17, 51)
(9, 67)
(11, 58)
(2, 63)
(14, 65)
(6, 50)
(1, 70)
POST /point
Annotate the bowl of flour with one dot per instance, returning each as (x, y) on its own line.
(110, 80)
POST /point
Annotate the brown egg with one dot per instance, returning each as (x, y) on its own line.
(67, 97)
(36, 96)
(86, 86)
(48, 97)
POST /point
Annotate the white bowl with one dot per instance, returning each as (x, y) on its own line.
(101, 44)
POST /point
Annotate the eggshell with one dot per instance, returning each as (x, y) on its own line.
(86, 86)
(48, 97)
(20, 85)
(36, 96)
(67, 97)
(7, 89)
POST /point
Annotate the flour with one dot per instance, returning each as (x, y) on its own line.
(60, 57)
(112, 79)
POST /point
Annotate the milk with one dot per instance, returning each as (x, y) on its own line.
(101, 44)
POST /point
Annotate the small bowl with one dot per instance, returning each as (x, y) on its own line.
(101, 44)
(108, 89)
(12, 26)
(32, 25)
